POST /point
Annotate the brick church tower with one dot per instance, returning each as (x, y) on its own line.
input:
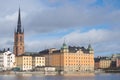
(19, 38)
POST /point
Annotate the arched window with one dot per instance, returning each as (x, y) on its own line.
(20, 38)
(16, 39)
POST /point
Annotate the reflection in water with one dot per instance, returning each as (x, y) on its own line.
(61, 77)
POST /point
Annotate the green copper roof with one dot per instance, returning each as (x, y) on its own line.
(90, 47)
(64, 46)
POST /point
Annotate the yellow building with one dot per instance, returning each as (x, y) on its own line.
(105, 63)
(70, 58)
(24, 62)
(38, 61)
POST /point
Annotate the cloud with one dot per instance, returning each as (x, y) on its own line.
(103, 41)
(45, 16)
(68, 16)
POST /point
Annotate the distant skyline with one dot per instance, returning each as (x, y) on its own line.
(48, 22)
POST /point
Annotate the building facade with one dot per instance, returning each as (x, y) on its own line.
(19, 38)
(38, 61)
(97, 63)
(105, 63)
(29, 62)
(24, 62)
(7, 60)
(118, 62)
(71, 59)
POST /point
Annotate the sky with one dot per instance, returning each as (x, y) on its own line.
(47, 23)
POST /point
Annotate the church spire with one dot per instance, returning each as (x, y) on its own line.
(19, 22)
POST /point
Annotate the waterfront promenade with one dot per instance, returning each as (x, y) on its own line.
(45, 73)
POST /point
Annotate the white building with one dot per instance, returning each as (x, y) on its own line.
(7, 60)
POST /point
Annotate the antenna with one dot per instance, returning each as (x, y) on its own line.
(64, 40)
(89, 41)
(19, 2)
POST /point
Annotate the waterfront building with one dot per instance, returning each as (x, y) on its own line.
(38, 61)
(97, 63)
(18, 38)
(7, 60)
(24, 62)
(70, 59)
(105, 63)
(116, 60)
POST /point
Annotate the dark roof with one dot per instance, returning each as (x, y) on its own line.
(36, 55)
(30, 53)
(74, 49)
(96, 59)
(23, 55)
(101, 58)
(46, 51)
(56, 51)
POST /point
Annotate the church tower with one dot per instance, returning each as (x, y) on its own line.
(19, 38)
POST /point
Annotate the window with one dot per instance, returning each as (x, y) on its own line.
(20, 38)
(16, 39)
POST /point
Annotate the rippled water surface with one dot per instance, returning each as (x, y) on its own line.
(61, 77)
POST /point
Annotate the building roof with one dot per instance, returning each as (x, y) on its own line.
(101, 58)
(23, 55)
(74, 49)
(64, 46)
(90, 47)
(46, 51)
(19, 23)
(57, 51)
(31, 53)
(96, 59)
(7, 53)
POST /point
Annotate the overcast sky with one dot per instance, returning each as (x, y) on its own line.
(48, 22)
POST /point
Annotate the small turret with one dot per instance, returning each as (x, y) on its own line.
(90, 49)
(64, 48)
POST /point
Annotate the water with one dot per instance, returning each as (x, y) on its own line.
(60, 77)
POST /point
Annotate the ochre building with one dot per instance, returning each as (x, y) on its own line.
(105, 63)
(24, 62)
(70, 59)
